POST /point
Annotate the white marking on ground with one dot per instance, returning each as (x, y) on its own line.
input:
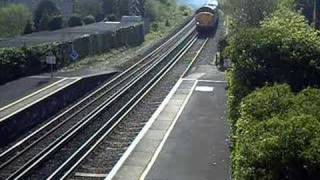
(91, 175)
(142, 133)
(204, 89)
(166, 136)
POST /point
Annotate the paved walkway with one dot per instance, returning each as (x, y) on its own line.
(187, 138)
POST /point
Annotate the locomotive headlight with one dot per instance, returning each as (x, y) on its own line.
(198, 23)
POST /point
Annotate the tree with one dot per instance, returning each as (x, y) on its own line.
(89, 19)
(55, 22)
(152, 9)
(44, 22)
(29, 28)
(44, 11)
(13, 20)
(277, 135)
(75, 20)
(109, 7)
(86, 8)
(249, 12)
(123, 7)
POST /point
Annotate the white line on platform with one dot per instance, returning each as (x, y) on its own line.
(157, 152)
(204, 89)
(32, 94)
(202, 80)
(38, 100)
(90, 175)
(145, 129)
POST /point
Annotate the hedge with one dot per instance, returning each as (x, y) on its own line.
(285, 49)
(275, 130)
(277, 135)
(19, 62)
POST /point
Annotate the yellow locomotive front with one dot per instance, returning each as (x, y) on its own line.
(206, 16)
(205, 21)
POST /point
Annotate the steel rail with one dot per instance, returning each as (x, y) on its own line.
(91, 144)
(44, 154)
(23, 141)
(29, 146)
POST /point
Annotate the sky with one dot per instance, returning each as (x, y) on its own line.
(193, 3)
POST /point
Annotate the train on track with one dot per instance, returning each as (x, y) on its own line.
(207, 17)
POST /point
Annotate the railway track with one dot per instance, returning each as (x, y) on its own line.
(61, 137)
(116, 139)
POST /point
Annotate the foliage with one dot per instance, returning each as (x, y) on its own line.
(275, 131)
(112, 17)
(75, 20)
(152, 9)
(28, 28)
(284, 50)
(45, 10)
(87, 8)
(109, 7)
(123, 6)
(19, 62)
(89, 19)
(248, 13)
(276, 138)
(56, 22)
(13, 20)
(15, 62)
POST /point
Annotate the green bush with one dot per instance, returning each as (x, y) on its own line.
(276, 137)
(19, 62)
(28, 28)
(112, 17)
(74, 21)
(284, 50)
(45, 10)
(56, 22)
(89, 19)
(86, 8)
(13, 20)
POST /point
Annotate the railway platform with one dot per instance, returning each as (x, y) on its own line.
(24, 92)
(186, 138)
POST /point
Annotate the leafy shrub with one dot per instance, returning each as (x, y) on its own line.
(112, 17)
(29, 28)
(56, 22)
(89, 19)
(265, 103)
(45, 10)
(276, 137)
(155, 27)
(152, 9)
(74, 21)
(86, 8)
(13, 20)
(284, 50)
(249, 14)
(19, 62)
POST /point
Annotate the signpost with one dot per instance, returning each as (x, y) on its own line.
(51, 60)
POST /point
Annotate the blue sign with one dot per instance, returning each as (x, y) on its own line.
(74, 55)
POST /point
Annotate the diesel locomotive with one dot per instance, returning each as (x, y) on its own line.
(207, 16)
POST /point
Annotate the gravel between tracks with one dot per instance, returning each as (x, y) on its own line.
(106, 155)
(80, 138)
(103, 158)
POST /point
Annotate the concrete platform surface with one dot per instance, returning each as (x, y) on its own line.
(35, 95)
(197, 148)
(187, 138)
